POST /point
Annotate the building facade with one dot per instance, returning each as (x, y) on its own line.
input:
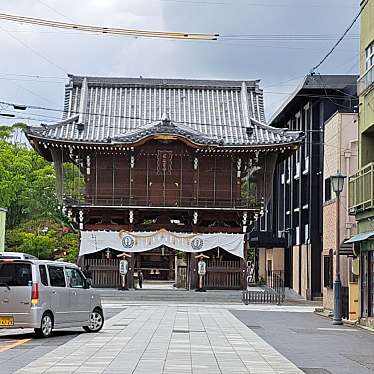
(164, 169)
(340, 154)
(292, 227)
(362, 183)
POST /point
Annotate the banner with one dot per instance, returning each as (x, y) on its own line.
(132, 242)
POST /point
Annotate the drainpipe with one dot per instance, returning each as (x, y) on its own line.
(2, 228)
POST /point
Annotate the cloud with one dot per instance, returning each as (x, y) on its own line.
(50, 52)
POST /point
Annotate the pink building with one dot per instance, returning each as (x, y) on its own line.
(341, 153)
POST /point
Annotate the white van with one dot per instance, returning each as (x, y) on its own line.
(46, 295)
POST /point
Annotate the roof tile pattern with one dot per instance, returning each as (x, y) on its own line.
(230, 113)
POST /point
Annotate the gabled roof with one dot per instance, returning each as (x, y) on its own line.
(207, 112)
(317, 84)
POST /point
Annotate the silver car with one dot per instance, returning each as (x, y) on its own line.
(46, 295)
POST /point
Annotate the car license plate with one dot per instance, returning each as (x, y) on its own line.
(6, 321)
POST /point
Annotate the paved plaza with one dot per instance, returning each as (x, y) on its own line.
(204, 338)
(144, 339)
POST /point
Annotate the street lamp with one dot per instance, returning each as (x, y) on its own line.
(337, 184)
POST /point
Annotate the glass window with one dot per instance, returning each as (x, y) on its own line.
(327, 270)
(327, 189)
(15, 274)
(74, 278)
(369, 56)
(56, 276)
(43, 275)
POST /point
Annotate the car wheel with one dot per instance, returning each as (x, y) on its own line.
(96, 321)
(46, 326)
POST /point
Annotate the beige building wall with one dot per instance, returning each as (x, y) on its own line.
(262, 263)
(341, 153)
(275, 255)
(301, 259)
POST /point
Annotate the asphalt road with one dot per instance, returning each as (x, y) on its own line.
(19, 347)
(312, 343)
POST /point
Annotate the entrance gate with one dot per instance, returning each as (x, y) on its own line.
(224, 274)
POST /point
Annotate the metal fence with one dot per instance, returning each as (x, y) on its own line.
(274, 293)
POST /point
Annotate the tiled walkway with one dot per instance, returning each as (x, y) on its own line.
(166, 339)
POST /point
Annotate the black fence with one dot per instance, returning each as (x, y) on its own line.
(274, 293)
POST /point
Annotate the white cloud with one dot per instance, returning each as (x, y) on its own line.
(38, 51)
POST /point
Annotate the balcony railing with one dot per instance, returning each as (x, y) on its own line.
(143, 201)
(365, 81)
(361, 189)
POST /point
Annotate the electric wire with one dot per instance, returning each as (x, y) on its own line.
(109, 30)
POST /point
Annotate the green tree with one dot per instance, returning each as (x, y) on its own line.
(27, 181)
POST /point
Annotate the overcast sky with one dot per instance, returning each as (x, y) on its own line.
(29, 50)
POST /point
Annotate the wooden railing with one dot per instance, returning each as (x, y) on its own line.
(223, 274)
(143, 201)
(361, 189)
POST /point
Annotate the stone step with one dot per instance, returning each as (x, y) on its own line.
(172, 295)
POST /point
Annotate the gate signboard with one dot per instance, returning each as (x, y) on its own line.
(123, 267)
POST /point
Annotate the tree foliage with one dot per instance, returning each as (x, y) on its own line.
(26, 182)
(27, 191)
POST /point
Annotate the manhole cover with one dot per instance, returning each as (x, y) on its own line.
(315, 371)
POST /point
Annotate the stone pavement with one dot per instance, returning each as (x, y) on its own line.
(152, 339)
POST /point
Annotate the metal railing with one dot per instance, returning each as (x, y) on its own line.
(361, 189)
(274, 294)
(365, 81)
(276, 282)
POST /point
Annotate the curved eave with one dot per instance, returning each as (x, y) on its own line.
(165, 137)
(281, 146)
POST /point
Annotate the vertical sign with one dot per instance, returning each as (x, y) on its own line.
(2, 228)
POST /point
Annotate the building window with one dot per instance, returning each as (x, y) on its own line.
(369, 52)
(297, 235)
(327, 270)
(327, 189)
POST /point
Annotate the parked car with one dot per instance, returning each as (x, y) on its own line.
(47, 295)
(19, 255)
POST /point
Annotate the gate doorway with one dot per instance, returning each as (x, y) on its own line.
(162, 269)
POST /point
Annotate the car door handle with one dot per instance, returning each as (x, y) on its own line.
(74, 293)
(54, 292)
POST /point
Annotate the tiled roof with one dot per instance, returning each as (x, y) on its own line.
(228, 113)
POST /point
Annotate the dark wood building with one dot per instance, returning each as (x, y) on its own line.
(289, 236)
(184, 164)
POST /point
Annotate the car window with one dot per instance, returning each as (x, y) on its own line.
(15, 274)
(56, 276)
(74, 278)
(43, 275)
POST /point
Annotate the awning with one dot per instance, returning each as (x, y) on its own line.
(133, 242)
(360, 237)
(346, 249)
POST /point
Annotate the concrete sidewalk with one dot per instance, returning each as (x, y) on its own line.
(167, 339)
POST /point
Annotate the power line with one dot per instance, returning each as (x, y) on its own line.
(109, 30)
(313, 70)
(33, 50)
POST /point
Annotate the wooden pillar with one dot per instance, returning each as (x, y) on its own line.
(193, 272)
(196, 181)
(130, 273)
(59, 170)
